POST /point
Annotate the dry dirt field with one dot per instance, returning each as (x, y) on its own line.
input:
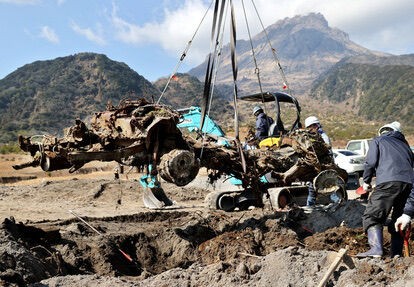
(89, 229)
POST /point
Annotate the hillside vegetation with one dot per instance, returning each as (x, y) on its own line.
(352, 100)
(46, 96)
(375, 93)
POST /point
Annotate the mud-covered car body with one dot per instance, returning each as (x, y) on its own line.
(135, 133)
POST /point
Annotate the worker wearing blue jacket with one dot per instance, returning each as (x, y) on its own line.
(391, 161)
(263, 123)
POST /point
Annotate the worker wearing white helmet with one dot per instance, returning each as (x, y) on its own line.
(314, 126)
(394, 126)
(311, 120)
(391, 161)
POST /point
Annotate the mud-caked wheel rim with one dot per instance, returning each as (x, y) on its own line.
(284, 199)
(45, 163)
(226, 202)
(280, 198)
(179, 167)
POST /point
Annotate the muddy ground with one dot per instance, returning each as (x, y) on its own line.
(89, 229)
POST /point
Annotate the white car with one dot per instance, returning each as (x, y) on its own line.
(349, 161)
(360, 146)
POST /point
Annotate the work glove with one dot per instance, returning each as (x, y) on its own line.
(367, 187)
(402, 222)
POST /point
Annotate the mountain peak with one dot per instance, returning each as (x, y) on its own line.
(309, 20)
(304, 45)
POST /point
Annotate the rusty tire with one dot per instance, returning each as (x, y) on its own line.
(45, 163)
(330, 187)
(179, 167)
(51, 162)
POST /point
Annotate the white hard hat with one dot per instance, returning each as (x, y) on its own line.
(311, 120)
(394, 126)
(256, 109)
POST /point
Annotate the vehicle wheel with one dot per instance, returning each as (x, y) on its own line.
(45, 163)
(220, 200)
(51, 162)
(330, 187)
(226, 202)
(341, 194)
(179, 167)
(326, 181)
(280, 197)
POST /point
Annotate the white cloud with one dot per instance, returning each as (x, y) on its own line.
(378, 25)
(173, 32)
(94, 36)
(49, 34)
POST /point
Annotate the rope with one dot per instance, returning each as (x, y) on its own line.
(214, 80)
(184, 54)
(273, 51)
(217, 68)
(257, 70)
(217, 20)
(235, 97)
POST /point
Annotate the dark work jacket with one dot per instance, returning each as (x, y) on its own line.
(263, 123)
(389, 158)
(409, 205)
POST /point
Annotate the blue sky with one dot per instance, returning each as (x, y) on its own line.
(150, 35)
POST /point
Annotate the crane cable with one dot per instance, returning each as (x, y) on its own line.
(214, 79)
(235, 91)
(275, 57)
(217, 67)
(214, 44)
(257, 70)
(184, 54)
(278, 120)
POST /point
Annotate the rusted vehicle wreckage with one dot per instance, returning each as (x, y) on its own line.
(139, 133)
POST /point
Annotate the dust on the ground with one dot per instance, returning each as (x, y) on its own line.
(116, 241)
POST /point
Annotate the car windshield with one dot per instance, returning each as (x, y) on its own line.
(354, 146)
(347, 152)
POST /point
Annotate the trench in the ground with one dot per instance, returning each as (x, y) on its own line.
(150, 243)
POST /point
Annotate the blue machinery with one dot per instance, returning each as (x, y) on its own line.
(154, 197)
(192, 120)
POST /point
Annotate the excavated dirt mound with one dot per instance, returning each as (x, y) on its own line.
(180, 248)
(96, 232)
